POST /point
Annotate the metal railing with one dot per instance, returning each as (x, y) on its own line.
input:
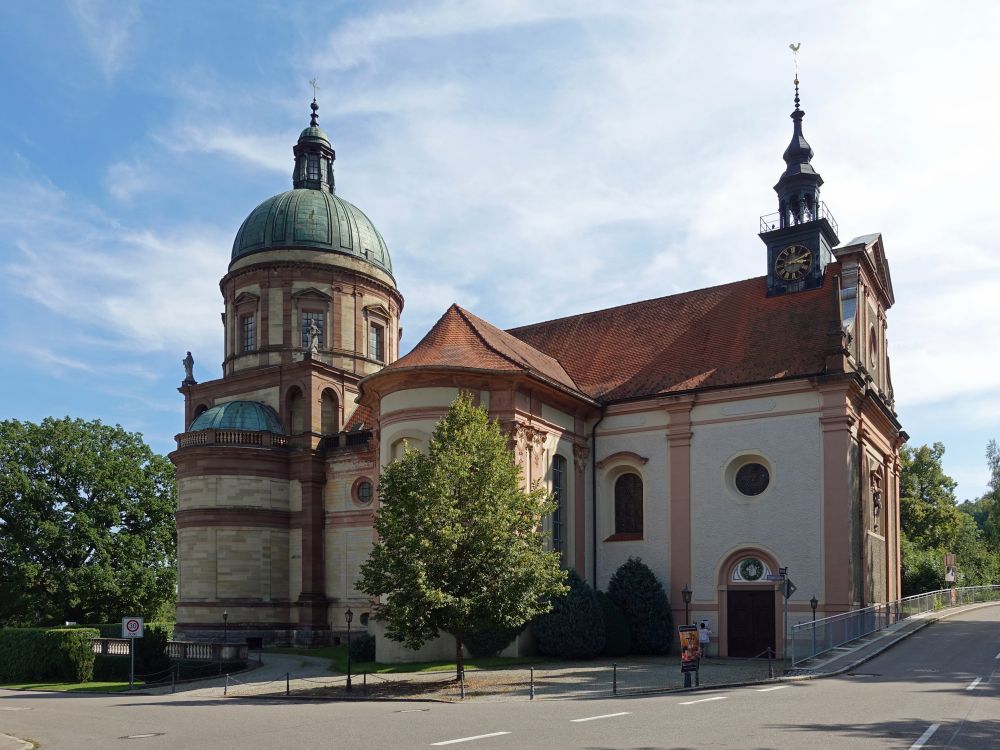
(812, 638)
(790, 218)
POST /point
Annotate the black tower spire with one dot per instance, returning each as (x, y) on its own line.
(800, 235)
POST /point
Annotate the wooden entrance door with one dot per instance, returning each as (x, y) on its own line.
(750, 617)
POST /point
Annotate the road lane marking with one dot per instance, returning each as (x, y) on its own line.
(468, 739)
(768, 690)
(703, 700)
(604, 716)
(974, 683)
(997, 656)
(928, 733)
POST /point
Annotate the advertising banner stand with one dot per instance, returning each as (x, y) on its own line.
(690, 653)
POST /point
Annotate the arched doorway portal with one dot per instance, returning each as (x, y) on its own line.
(751, 605)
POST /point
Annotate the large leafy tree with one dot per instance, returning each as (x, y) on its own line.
(86, 523)
(460, 547)
(934, 524)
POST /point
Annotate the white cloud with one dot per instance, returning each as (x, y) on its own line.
(126, 180)
(270, 151)
(144, 291)
(359, 39)
(108, 29)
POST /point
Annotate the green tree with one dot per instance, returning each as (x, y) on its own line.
(86, 523)
(933, 525)
(460, 546)
(929, 513)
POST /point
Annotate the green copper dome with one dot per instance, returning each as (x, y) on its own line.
(313, 220)
(311, 216)
(315, 132)
(252, 416)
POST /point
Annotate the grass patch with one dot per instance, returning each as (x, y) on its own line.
(338, 662)
(72, 687)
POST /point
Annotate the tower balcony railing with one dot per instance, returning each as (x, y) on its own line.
(246, 438)
(789, 218)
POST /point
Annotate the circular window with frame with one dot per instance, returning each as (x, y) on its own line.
(748, 476)
(363, 491)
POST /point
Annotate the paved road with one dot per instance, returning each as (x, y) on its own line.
(937, 689)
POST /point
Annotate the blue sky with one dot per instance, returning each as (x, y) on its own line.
(527, 160)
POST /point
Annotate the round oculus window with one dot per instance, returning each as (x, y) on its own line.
(364, 492)
(752, 479)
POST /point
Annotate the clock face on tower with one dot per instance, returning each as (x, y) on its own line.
(792, 263)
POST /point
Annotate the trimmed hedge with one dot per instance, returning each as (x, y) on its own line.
(574, 627)
(617, 640)
(114, 629)
(55, 654)
(635, 590)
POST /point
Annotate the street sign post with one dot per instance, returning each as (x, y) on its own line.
(131, 629)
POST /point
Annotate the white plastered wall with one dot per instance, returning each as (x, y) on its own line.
(785, 520)
(644, 434)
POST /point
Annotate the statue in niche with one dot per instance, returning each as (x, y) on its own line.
(314, 334)
(188, 363)
(876, 489)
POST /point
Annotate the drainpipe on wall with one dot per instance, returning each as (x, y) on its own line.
(593, 494)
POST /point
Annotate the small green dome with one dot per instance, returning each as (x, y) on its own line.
(252, 416)
(316, 133)
(313, 220)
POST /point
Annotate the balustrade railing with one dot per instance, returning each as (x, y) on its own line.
(179, 650)
(232, 437)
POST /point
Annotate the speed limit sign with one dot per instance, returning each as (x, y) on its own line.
(131, 627)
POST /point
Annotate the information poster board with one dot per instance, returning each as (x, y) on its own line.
(690, 648)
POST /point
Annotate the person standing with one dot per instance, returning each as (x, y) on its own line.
(704, 638)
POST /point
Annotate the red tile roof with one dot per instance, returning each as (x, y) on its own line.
(721, 336)
(360, 419)
(460, 339)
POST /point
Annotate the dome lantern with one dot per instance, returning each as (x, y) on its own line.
(314, 156)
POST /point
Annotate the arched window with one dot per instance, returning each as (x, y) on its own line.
(329, 412)
(628, 504)
(559, 495)
(296, 412)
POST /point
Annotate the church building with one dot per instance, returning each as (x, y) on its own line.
(722, 435)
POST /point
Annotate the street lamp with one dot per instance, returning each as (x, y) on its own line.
(686, 594)
(814, 602)
(349, 616)
(225, 626)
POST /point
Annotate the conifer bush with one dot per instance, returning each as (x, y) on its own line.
(641, 598)
(363, 647)
(574, 627)
(490, 641)
(617, 640)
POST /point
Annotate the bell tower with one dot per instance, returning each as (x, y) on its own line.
(799, 237)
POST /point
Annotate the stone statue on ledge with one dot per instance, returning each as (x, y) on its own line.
(188, 363)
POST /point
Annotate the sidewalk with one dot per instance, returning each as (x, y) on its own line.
(304, 677)
(851, 655)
